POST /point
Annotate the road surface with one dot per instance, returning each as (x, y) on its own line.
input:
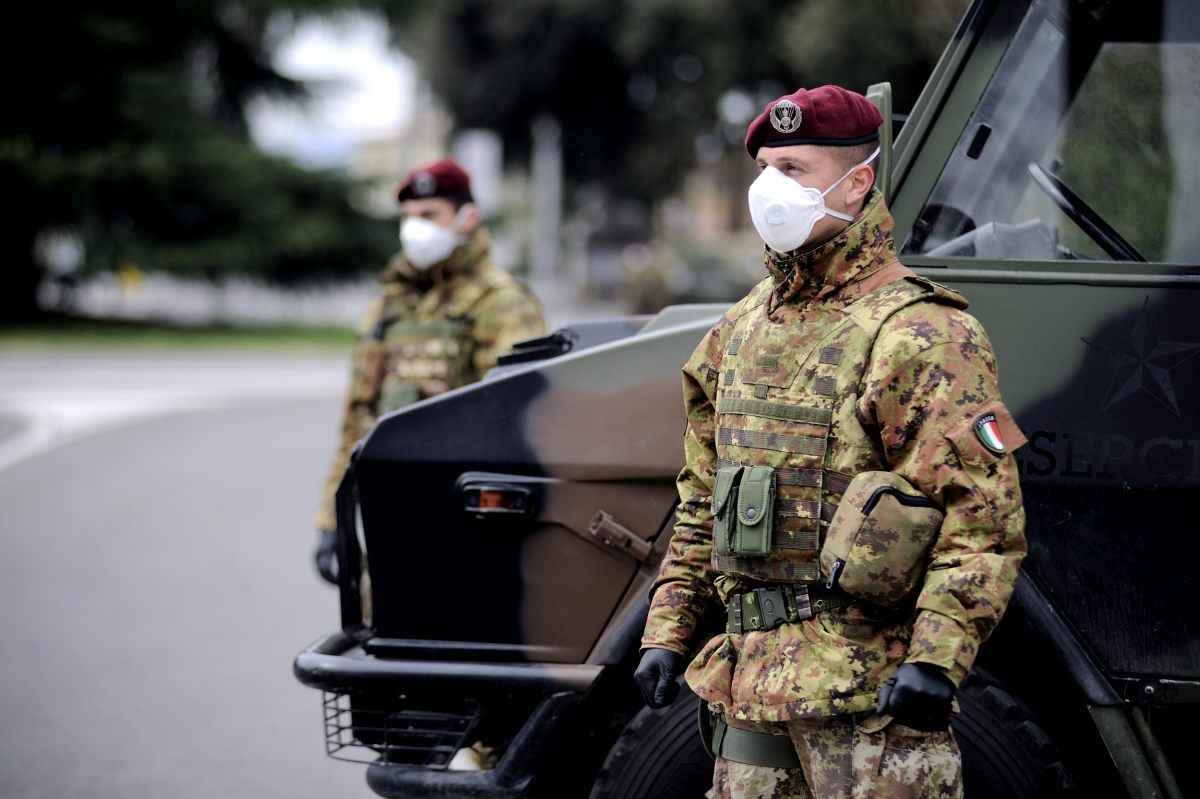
(156, 577)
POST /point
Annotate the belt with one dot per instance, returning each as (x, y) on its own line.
(770, 606)
(744, 746)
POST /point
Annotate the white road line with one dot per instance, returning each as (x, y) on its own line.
(58, 400)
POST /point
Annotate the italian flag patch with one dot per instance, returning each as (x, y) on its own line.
(988, 432)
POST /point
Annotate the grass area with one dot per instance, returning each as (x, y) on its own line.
(76, 333)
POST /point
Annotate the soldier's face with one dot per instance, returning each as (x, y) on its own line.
(437, 210)
(818, 168)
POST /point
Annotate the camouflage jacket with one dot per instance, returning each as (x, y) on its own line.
(428, 333)
(930, 376)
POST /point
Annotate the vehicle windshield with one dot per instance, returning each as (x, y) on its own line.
(1085, 144)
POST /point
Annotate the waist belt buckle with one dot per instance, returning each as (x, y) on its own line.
(780, 604)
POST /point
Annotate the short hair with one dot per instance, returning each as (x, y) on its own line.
(851, 155)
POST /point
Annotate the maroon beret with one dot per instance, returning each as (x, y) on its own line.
(443, 178)
(828, 115)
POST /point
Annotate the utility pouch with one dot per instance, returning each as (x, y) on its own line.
(876, 546)
(724, 511)
(755, 512)
(743, 510)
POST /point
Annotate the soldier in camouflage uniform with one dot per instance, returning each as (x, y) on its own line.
(445, 315)
(840, 364)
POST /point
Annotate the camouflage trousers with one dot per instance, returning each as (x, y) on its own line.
(858, 756)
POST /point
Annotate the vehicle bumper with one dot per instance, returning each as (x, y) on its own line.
(546, 694)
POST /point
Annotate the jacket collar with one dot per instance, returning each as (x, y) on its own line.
(861, 248)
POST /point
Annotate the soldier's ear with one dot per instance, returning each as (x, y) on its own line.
(861, 180)
(470, 218)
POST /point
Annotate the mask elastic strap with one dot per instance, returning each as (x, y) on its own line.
(457, 221)
(838, 214)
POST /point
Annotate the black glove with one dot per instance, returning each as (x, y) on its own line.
(655, 676)
(326, 555)
(918, 696)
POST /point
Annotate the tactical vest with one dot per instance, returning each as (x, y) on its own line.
(420, 358)
(786, 398)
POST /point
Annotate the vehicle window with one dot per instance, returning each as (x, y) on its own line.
(1084, 144)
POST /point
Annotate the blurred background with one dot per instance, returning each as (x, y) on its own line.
(200, 195)
(174, 160)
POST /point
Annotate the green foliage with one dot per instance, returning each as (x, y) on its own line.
(133, 137)
(857, 44)
(131, 133)
(1118, 156)
(646, 89)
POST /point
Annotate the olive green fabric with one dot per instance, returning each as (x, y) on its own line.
(429, 332)
(924, 372)
(755, 512)
(754, 748)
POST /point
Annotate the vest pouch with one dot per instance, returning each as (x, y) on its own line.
(755, 512)
(396, 394)
(877, 543)
(724, 510)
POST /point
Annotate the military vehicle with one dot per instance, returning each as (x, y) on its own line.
(1050, 171)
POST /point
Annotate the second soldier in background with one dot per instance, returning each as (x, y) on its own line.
(445, 315)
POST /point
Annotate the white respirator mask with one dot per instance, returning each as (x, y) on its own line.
(784, 212)
(426, 243)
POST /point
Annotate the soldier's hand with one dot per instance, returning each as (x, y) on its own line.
(655, 676)
(326, 555)
(918, 696)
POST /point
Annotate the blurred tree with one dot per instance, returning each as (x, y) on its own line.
(645, 88)
(128, 134)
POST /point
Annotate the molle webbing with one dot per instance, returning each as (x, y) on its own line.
(803, 540)
(759, 439)
(787, 476)
(788, 395)
(809, 478)
(774, 410)
(804, 508)
(836, 482)
(781, 571)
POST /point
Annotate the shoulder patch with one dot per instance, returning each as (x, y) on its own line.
(990, 432)
(987, 430)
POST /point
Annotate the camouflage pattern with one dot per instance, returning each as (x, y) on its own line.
(849, 757)
(882, 551)
(428, 333)
(828, 368)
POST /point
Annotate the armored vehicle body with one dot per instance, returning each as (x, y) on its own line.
(511, 529)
